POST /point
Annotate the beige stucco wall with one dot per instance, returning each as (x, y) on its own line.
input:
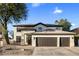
(20, 33)
(24, 36)
(23, 31)
(72, 44)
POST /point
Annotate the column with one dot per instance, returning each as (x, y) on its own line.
(58, 41)
(71, 41)
(34, 41)
(26, 40)
(15, 33)
(22, 40)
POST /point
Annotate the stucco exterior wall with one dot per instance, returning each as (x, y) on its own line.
(36, 27)
(20, 33)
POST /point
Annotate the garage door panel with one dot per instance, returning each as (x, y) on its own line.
(46, 41)
(64, 41)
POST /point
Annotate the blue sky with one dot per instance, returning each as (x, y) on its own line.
(49, 12)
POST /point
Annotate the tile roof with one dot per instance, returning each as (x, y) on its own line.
(54, 32)
(32, 25)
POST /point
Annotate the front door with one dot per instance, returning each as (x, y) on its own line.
(29, 40)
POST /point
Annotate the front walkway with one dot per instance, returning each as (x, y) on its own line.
(54, 51)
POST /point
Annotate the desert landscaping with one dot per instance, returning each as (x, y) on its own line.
(15, 50)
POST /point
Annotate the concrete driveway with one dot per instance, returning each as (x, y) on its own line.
(54, 51)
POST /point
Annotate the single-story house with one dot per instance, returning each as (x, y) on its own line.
(43, 35)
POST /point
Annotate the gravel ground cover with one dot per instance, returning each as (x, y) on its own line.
(14, 50)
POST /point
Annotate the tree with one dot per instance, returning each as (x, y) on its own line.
(11, 34)
(66, 24)
(9, 13)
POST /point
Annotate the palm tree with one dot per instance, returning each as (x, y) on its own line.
(9, 13)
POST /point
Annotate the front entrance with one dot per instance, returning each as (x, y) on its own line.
(18, 40)
(64, 41)
(46, 41)
(29, 40)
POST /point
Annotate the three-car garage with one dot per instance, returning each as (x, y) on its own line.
(53, 39)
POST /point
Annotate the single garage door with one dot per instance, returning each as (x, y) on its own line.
(64, 41)
(46, 41)
(76, 42)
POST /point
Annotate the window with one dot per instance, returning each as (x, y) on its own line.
(50, 30)
(58, 28)
(18, 30)
(18, 38)
(40, 29)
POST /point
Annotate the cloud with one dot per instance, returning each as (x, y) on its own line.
(57, 11)
(35, 4)
(73, 24)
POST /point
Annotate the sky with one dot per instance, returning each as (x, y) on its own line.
(47, 13)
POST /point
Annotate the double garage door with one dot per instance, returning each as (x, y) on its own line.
(52, 41)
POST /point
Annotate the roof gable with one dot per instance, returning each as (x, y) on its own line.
(39, 24)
